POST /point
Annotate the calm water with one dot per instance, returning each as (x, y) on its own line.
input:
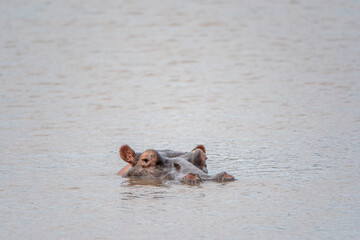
(271, 88)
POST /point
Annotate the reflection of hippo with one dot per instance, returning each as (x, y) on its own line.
(187, 167)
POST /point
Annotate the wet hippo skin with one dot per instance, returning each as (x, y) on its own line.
(186, 167)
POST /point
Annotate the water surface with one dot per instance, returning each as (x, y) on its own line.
(271, 88)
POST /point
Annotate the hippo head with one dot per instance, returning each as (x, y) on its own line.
(187, 167)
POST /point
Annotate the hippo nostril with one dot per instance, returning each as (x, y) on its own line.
(145, 160)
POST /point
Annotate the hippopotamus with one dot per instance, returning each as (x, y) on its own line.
(197, 157)
(185, 167)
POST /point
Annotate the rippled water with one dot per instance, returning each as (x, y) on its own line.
(271, 88)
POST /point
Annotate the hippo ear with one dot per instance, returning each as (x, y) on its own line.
(201, 147)
(127, 154)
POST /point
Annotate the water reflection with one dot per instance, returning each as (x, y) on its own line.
(144, 182)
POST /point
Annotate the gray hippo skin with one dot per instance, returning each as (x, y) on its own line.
(169, 165)
(197, 157)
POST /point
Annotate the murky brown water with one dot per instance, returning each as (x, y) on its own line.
(271, 88)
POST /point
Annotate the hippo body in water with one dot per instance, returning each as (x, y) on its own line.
(163, 165)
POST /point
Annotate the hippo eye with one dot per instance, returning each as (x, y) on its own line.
(145, 160)
(177, 166)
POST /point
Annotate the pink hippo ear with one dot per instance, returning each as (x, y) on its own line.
(201, 147)
(127, 154)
